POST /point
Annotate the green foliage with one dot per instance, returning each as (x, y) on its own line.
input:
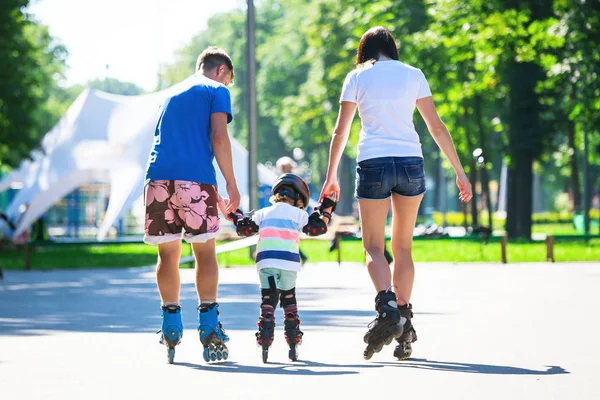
(115, 86)
(305, 48)
(32, 65)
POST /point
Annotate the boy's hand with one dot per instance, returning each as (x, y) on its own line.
(234, 197)
(223, 204)
(236, 216)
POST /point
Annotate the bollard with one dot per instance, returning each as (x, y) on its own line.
(550, 248)
(503, 243)
(27, 254)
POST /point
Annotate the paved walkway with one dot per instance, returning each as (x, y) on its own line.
(486, 331)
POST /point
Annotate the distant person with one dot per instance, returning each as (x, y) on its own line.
(278, 259)
(390, 165)
(286, 165)
(181, 195)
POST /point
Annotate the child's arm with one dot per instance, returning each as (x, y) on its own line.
(244, 226)
(318, 220)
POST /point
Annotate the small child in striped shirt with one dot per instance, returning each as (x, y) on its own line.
(278, 258)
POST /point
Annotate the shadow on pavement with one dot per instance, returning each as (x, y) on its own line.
(127, 300)
(301, 367)
(423, 363)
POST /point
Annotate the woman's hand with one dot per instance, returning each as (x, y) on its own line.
(330, 186)
(464, 187)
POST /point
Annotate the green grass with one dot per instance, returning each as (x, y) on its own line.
(555, 229)
(128, 255)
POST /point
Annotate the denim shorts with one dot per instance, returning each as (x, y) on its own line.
(378, 178)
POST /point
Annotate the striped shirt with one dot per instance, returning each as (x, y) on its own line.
(279, 228)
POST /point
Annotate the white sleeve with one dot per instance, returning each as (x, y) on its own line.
(257, 217)
(303, 219)
(424, 90)
(349, 88)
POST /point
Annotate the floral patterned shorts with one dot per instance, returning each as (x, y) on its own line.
(176, 206)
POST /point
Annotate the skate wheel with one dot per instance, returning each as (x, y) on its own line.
(225, 354)
(206, 355)
(293, 354)
(368, 353)
(265, 355)
(171, 355)
(213, 356)
(403, 351)
(219, 355)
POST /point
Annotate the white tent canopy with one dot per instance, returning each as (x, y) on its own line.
(101, 138)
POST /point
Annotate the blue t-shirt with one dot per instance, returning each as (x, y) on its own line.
(182, 148)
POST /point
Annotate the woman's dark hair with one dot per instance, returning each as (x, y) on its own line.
(375, 42)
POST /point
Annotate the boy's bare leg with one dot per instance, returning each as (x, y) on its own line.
(207, 271)
(167, 271)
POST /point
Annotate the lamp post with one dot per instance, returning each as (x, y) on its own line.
(251, 78)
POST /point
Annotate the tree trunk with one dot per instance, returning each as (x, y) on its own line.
(520, 196)
(575, 184)
(525, 140)
(526, 128)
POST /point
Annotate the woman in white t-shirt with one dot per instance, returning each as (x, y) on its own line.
(390, 165)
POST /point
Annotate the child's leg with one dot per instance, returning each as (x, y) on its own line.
(293, 334)
(268, 277)
(287, 285)
(266, 322)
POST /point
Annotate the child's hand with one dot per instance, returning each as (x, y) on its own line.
(246, 227)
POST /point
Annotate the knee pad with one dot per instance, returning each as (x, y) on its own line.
(285, 300)
(267, 296)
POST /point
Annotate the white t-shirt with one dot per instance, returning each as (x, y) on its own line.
(386, 94)
(279, 229)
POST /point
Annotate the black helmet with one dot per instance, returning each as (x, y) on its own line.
(292, 186)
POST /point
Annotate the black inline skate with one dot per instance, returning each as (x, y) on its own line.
(265, 334)
(386, 326)
(409, 336)
(293, 335)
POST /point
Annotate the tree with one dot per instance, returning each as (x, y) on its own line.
(115, 86)
(32, 63)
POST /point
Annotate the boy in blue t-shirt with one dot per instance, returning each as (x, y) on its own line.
(181, 194)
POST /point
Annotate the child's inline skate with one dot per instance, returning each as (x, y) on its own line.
(404, 348)
(212, 334)
(386, 326)
(265, 334)
(293, 334)
(171, 329)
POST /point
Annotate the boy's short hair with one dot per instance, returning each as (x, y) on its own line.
(212, 57)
